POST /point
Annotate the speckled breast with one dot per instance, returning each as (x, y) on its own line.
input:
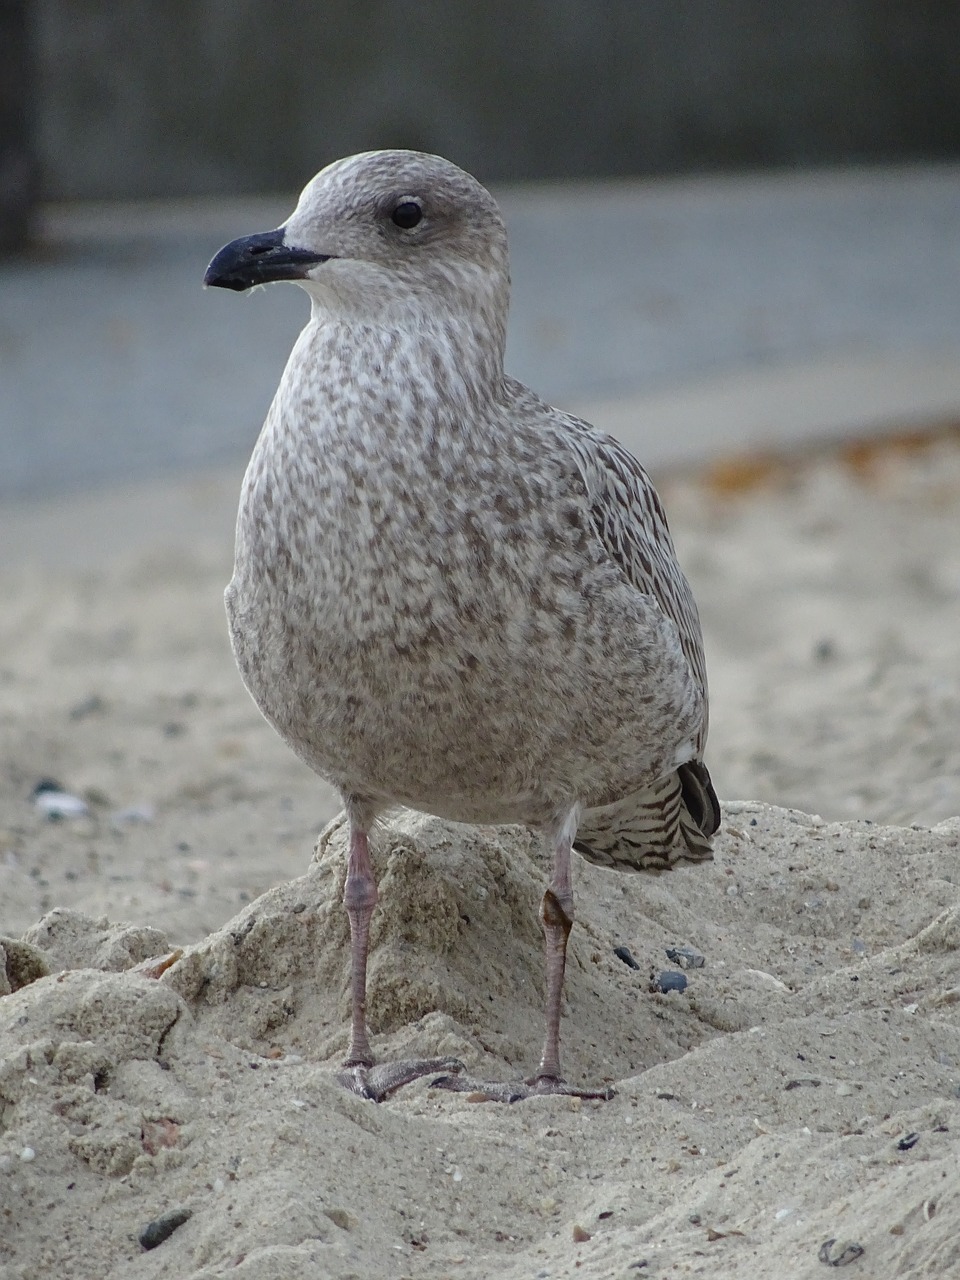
(450, 638)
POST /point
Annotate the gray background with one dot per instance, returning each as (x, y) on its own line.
(167, 97)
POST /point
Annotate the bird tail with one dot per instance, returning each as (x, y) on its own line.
(671, 820)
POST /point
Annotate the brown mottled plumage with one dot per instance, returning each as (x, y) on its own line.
(449, 595)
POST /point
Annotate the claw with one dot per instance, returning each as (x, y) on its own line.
(378, 1082)
(518, 1090)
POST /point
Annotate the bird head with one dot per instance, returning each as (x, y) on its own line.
(377, 236)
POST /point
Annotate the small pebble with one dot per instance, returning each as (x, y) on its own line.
(51, 799)
(670, 980)
(686, 957)
(626, 955)
(580, 1236)
(28, 1154)
(838, 1253)
(160, 1229)
(908, 1141)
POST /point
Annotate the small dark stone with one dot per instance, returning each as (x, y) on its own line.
(835, 1253)
(88, 707)
(45, 784)
(626, 955)
(669, 980)
(686, 957)
(238, 935)
(160, 1229)
(909, 1140)
(753, 822)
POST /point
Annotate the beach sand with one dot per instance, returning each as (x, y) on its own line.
(802, 1089)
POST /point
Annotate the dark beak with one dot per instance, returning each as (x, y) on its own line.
(259, 259)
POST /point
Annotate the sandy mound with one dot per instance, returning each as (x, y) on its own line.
(803, 1088)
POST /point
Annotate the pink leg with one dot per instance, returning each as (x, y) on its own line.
(359, 898)
(359, 1075)
(556, 917)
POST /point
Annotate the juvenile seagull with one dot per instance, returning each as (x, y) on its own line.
(449, 595)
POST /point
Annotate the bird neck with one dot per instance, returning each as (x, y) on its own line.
(439, 359)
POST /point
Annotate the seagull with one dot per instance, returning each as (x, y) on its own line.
(449, 595)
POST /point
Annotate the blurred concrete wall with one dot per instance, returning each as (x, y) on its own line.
(162, 97)
(18, 168)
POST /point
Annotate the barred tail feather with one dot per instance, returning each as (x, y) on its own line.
(700, 813)
(673, 819)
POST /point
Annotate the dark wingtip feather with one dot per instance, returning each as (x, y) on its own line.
(699, 797)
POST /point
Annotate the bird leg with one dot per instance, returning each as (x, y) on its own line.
(359, 1074)
(556, 918)
(359, 897)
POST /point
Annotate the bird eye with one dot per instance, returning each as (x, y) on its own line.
(407, 214)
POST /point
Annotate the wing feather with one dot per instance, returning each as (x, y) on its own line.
(629, 519)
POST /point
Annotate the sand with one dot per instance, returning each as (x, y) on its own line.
(802, 1089)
